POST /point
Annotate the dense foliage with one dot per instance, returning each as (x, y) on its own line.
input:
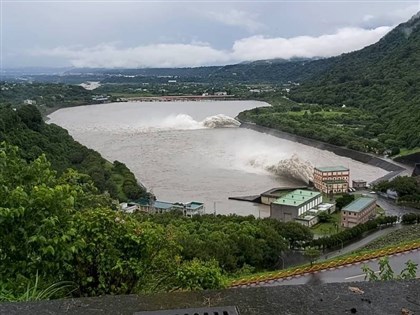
(368, 100)
(348, 235)
(59, 227)
(343, 201)
(382, 79)
(25, 128)
(354, 128)
(47, 95)
(408, 189)
(411, 218)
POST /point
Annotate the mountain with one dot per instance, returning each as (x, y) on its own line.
(383, 78)
(271, 71)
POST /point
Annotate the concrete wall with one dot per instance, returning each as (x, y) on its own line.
(283, 213)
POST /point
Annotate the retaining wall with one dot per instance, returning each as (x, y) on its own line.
(355, 155)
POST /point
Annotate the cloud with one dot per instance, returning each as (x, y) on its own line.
(237, 18)
(344, 40)
(197, 54)
(390, 18)
(158, 55)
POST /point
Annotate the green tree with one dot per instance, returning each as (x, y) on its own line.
(312, 254)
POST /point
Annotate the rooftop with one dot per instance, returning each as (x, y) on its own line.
(337, 168)
(359, 204)
(297, 197)
(359, 181)
(162, 204)
(280, 191)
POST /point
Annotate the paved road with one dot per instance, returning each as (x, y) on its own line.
(390, 207)
(362, 242)
(351, 273)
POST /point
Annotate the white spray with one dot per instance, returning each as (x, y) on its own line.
(292, 167)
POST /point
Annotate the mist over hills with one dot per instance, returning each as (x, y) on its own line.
(383, 78)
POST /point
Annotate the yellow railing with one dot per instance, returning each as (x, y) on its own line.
(325, 265)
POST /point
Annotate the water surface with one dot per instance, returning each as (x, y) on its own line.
(175, 151)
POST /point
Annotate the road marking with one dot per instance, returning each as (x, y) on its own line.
(353, 277)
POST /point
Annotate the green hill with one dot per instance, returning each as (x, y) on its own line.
(383, 79)
(25, 128)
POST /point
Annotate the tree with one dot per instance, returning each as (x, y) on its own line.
(343, 201)
(312, 254)
(62, 228)
(296, 234)
(325, 217)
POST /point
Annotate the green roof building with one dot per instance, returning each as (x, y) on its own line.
(294, 204)
(359, 211)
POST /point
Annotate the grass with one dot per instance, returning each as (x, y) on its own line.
(406, 234)
(379, 211)
(325, 114)
(330, 227)
(34, 292)
(404, 152)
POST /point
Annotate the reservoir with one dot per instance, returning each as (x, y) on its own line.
(194, 151)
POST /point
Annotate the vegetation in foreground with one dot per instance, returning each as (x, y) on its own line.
(386, 272)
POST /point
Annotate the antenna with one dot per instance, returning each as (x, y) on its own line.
(214, 208)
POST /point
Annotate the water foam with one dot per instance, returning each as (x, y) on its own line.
(293, 167)
(220, 121)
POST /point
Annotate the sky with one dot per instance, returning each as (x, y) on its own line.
(134, 34)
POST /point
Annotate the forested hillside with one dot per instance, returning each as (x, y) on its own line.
(45, 95)
(383, 79)
(271, 71)
(25, 128)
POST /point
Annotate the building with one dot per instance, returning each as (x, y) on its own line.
(359, 211)
(310, 217)
(129, 207)
(294, 204)
(273, 194)
(332, 179)
(29, 102)
(189, 209)
(359, 184)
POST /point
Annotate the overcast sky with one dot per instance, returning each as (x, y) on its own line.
(131, 33)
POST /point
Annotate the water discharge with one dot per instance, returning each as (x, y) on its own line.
(186, 122)
(293, 167)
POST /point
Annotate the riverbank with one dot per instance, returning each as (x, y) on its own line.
(341, 151)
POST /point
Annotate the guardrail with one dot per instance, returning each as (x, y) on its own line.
(340, 262)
